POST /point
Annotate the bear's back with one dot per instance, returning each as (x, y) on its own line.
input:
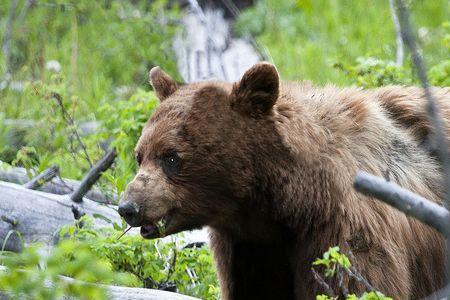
(385, 132)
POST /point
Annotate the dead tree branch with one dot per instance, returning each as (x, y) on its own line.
(441, 294)
(438, 138)
(93, 175)
(9, 220)
(260, 49)
(58, 185)
(442, 149)
(23, 13)
(404, 200)
(398, 35)
(42, 178)
(68, 118)
(322, 282)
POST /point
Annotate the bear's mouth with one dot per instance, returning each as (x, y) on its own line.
(156, 229)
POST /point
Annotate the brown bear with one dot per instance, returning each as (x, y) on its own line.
(269, 167)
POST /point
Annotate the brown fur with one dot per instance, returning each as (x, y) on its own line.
(269, 168)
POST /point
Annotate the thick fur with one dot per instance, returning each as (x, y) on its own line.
(275, 185)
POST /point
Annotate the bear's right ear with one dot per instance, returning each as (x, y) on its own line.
(162, 83)
(257, 91)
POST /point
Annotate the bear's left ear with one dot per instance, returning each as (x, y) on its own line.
(257, 91)
(162, 83)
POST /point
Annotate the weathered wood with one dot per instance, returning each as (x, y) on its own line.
(93, 175)
(37, 216)
(40, 215)
(42, 178)
(55, 186)
(119, 292)
(404, 200)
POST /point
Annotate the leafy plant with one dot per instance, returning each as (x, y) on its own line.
(334, 263)
(331, 259)
(37, 275)
(305, 38)
(155, 263)
(123, 124)
(365, 296)
(370, 72)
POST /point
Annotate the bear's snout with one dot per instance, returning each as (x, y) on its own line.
(131, 213)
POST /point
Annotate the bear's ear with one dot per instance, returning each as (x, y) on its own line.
(162, 83)
(257, 91)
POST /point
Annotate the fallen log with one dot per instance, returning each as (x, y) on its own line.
(36, 216)
(55, 186)
(117, 292)
(28, 216)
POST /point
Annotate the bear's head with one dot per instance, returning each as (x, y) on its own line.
(200, 152)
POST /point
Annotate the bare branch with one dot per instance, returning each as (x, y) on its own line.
(71, 122)
(42, 178)
(322, 282)
(438, 138)
(26, 7)
(59, 185)
(93, 175)
(442, 149)
(441, 294)
(260, 49)
(9, 220)
(404, 200)
(398, 34)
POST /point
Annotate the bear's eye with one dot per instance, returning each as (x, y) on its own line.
(170, 163)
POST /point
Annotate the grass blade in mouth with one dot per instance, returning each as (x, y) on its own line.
(123, 233)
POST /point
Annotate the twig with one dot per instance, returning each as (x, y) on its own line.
(352, 272)
(404, 200)
(63, 183)
(9, 220)
(125, 231)
(71, 122)
(93, 175)
(172, 264)
(398, 34)
(42, 178)
(26, 7)
(340, 277)
(322, 282)
(262, 51)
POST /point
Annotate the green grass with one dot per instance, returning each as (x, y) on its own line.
(305, 38)
(101, 46)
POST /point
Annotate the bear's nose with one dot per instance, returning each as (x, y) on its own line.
(130, 212)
